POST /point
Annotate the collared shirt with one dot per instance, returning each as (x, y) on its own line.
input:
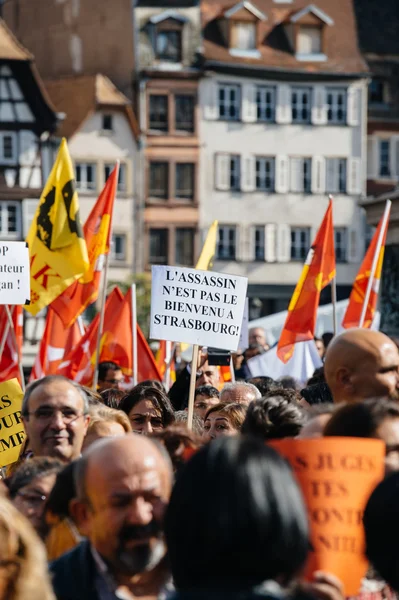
(105, 583)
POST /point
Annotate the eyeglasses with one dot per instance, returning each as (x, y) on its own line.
(45, 415)
(34, 500)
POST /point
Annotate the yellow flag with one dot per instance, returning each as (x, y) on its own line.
(57, 247)
(209, 249)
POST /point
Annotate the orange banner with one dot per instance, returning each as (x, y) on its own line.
(337, 476)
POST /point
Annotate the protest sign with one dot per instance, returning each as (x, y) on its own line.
(243, 341)
(337, 476)
(14, 273)
(197, 307)
(12, 432)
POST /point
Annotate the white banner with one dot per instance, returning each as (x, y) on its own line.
(197, 307)
(243, 343)
(14, 273)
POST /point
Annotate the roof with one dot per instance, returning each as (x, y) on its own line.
(343, 54)
(311, 9)
(10, 47)
(78, 97)
(378, 25)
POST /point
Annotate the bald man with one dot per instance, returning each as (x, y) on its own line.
(123, 486)
(362, 364)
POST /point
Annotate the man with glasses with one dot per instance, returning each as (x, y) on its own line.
(109, 376)
(55, 413)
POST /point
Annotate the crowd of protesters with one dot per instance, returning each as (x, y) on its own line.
(93, 511)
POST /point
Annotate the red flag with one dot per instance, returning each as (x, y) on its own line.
(353, 313)
(97, 231)
(57, 342)
(318, 271)
(9, 365)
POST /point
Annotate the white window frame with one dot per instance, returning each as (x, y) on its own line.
(13, 137)
(235, 36)
(5, 205)
(227, 102)
(309, 28)
(122, 180)
(262, 162)
(235, 172)
(387, 166)
(83, 185)
(300, 247)
(224, 242)
(300, 92)
(259, 243)
(336, 112)
(263, 105)
(341, 246)
(304, 186)
(121, 255)
(336, 169)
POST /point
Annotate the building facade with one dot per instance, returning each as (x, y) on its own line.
(283, 125)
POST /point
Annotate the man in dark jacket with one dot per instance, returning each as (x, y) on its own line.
(123, 486)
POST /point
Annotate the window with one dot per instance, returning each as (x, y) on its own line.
(226, 248)
(376, 92)
(184, 251)
(309, 40)
(158, 112)
(300, 242)
(10, 219)
(336, 106)
(185, 181)
(301, 175)
(168, 45)
(158, 247)
(336, 175)
(301, 104)
(159, 180)
(12, 105)
(108, 168)
(86, 177)
(266, 103)
(229, 102)
(107, 123)
(259, 243)
(243, 36)
(8, 148)
(340, 243)
(265, 167)
(184, 113)
(235, 173)
(385, 158)
(118, 246)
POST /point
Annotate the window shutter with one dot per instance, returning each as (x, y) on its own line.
(245, 245)
(283, 107)
(353, 246)
(28, 212)
(283, 243)
(251, 245)
(249, 108)
(248, 173)
(354, 176)
(28, 148)
(222, 172)
(395, 156)
(296, 174)
(318, 175)
(319, 106)
(210, 99)
(282, 180)
(270, 242)
(331, 175)
(239, 246)
(372, 158)
(354, 105)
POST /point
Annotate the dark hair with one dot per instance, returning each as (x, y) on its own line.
(93, 396)
(39, 466)
(105, 366)
(317, 377)
(112, 397)
(159, 400)
(318, 393)
(149, 383)
(208, 391)
(327, 337)
(63, 491)
(233, 411)
(324, 408)
(263, 383)
(177, 439)
(226, 524)
(289, 394)
(273, 418)
(381, 524)
(288, 383)
(361, 419)
(50, 379)
(181, 417)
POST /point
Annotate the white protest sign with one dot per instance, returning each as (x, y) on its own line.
(14, 273)
(197, 307)
(243, 343)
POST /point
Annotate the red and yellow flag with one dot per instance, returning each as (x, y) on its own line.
(9, 360)
(97, 233)
(318, 271)
(353, 313)
(57, 248)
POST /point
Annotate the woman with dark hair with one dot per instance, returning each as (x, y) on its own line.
(223, 419)
(236, 526)
(148, 409)
(273, 418)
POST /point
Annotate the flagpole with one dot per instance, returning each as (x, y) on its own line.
(79, 321)
(334, 303)
(168, 360)
(134, 334)
(14, 339)
(101, 322)
(193, 379)
(375, 262)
